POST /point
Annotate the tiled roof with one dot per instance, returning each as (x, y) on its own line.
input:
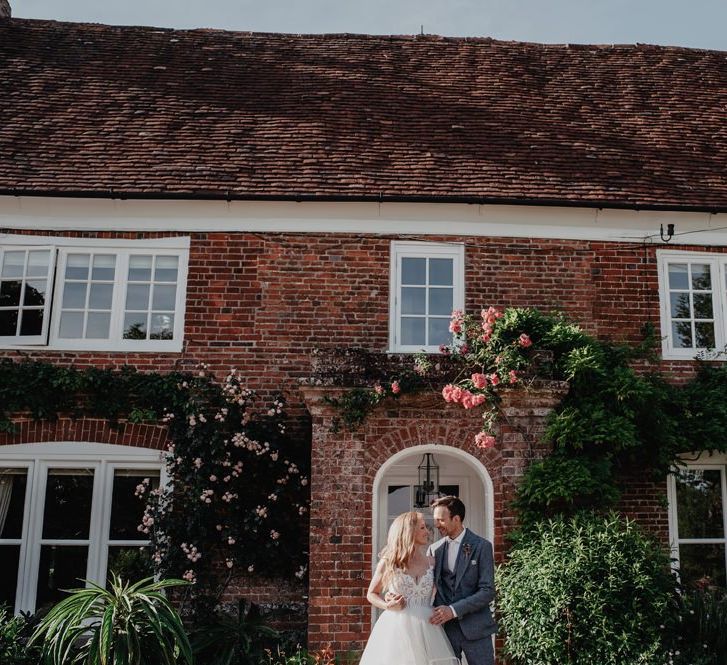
(145, 111)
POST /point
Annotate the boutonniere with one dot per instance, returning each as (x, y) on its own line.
(467, 549)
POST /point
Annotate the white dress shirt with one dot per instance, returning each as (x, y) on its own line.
(452, 552)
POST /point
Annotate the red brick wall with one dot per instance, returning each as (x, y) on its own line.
(262, 302)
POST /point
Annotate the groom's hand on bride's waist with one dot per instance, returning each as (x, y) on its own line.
(441, 614)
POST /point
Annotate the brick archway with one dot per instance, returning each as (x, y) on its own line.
(344, 469)
(83, 430)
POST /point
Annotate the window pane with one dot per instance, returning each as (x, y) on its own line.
(74, 295)
(38, 263)
(127, 509)
(77, 266)
(35, 293)
(440, 301)
(678, 276)
(166, 268)
(10, 293)
(12, 502)
(140, 268)
(705, 335)
(702, 305)
(130, 563)
(164, 297)
(135, 326)
(441, 272)
(413, 271)
(104, 267)
(31, 322)
(98, 325)
(137, 296)
(9, 561)
(413, 331)
(71, 325)
(702, 563)
(61, 567)
(398, 500)
(701, 277)
(680, 306)
(682, 335)
(413, 301)
(8, 322)
(162, 326)
(439, 332)
(67, 512)
(13, 263)
(699, 503)
(100, 296)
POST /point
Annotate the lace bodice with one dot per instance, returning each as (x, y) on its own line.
(416, 592)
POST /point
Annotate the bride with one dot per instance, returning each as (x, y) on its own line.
(403, 634)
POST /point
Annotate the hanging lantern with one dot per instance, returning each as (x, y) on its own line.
(428, 487)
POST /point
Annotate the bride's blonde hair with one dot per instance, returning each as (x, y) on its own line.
(400, 544)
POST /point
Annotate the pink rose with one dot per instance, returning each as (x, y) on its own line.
(490, 315)
(395, 388)
(447, 392)
(484, 440)
(379, 389)
(467, 402)
(456, 321)
(464, 349)
(494, 379)
(513, 376)
(524, 341)
(478, 399)
(479, 381)
(457, 394)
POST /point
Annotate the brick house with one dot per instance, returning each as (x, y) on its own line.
(175, 197)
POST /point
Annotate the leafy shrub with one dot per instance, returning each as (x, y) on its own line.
(301, 657)
(239, 638)
(586, 590)
(124, 625)
(559, 485)
(15, 631)
(701, 629)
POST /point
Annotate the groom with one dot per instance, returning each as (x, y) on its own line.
(465, 578)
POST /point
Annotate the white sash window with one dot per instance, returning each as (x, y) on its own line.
(93, 294)
(427, 284)
(69, 512)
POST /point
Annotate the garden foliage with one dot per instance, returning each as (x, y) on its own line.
(584, 590)
(126, 624)
(15, 632)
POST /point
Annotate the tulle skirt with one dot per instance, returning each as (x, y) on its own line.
(407, 638)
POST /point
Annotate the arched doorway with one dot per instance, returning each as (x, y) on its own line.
(460, 474)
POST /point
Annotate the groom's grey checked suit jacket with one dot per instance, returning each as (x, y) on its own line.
(470, 588)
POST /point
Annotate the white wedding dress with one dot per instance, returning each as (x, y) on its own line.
(405, 637)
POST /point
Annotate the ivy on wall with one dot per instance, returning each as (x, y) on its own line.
(620, 411)
(237, 500)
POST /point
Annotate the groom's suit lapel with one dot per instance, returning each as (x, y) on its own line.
(439, 560)
(462, 559)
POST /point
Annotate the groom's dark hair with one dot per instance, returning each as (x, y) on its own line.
(452, 503)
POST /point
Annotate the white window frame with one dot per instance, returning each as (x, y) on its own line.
(412, 249)
(703, 461)
(718, 263)
(122, 249)
(104, 459)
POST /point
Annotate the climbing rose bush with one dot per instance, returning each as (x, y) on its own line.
(237, 500)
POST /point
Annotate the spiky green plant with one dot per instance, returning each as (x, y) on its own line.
(126, 624)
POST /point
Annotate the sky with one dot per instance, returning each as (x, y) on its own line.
(694, 23)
